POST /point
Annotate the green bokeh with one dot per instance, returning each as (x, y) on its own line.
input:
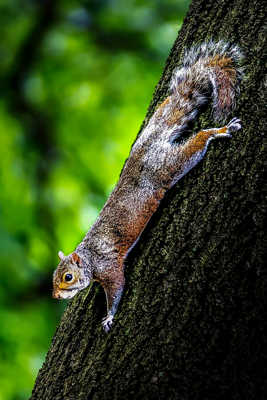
(68, 117)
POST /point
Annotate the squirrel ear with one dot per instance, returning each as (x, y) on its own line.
(61, 255)
(76, 258)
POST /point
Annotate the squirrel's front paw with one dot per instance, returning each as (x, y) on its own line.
(107, 322)
(234, 125)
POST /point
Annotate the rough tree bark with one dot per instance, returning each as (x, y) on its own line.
(192, 321)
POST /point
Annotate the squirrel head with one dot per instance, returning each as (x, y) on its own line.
(70, 277)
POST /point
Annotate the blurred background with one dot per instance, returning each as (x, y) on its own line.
(76, 80)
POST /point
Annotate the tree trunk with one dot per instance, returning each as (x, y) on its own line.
(192, 320)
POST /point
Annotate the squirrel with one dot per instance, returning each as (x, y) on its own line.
(161, 155)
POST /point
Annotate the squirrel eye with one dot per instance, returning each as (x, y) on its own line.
(68, 277)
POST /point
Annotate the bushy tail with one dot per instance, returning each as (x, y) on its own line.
(214, 70)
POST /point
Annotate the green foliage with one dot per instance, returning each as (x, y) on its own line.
(76, 85)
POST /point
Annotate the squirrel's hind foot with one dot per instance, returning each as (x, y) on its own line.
(227, 130)
(107, 322)
(234, 125)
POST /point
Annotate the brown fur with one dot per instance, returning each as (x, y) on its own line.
(226, 77)
(174, 117)
(161, 107)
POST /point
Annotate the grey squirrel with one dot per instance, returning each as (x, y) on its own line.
(160, 156)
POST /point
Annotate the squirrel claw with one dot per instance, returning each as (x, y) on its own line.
(107, 322)
(234, 125)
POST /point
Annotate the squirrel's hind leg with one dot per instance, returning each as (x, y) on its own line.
(194, 149)
(196, 146)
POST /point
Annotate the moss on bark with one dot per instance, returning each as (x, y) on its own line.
(192, 321)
